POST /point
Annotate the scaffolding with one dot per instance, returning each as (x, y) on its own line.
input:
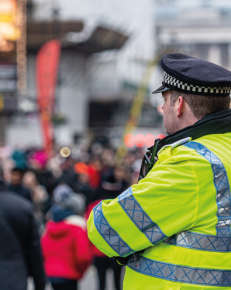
(21, 56)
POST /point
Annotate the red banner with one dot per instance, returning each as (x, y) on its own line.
(46, 76)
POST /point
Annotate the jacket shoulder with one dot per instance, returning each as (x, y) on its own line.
(174, 145)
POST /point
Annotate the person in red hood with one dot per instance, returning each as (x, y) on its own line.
(65, 245)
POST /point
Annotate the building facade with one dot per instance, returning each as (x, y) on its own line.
(105, 51)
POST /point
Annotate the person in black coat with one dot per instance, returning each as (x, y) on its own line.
(20, 252)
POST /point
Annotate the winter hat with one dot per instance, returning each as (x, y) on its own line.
(75, 203)
(61, 192)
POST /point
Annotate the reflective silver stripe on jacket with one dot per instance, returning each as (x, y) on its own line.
(201, 242)
(139, 217)
(109, 234)
(221, 183)
(222, 241)
(177, 273)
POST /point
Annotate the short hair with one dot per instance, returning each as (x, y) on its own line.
(18, 170)
(202, 105)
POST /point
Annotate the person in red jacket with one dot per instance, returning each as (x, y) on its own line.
(65, 245)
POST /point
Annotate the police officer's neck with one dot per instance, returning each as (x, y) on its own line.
(186, 119)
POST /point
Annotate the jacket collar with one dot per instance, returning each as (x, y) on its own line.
(215, 123)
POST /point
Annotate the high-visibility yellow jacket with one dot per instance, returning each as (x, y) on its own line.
(179, 216)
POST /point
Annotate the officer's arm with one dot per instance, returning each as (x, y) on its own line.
(159, 206)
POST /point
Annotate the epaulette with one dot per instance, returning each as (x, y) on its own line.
(180, 142)
(176, 144)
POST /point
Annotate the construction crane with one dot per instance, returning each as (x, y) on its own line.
(136, 107)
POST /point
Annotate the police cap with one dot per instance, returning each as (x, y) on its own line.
(194, 76)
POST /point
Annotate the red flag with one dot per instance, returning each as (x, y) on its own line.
(46, 76)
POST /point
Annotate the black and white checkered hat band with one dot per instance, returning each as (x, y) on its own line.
(183, 86)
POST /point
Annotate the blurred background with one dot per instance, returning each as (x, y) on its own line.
(106, 48)
(75, 88)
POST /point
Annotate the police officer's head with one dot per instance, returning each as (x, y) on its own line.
(192, 88)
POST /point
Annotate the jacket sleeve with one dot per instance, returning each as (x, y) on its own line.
(159, 206)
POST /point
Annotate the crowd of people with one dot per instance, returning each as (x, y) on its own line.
(60, 192)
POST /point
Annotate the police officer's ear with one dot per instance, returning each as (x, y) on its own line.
(180, 104)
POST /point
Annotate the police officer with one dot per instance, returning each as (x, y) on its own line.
(173, 228)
